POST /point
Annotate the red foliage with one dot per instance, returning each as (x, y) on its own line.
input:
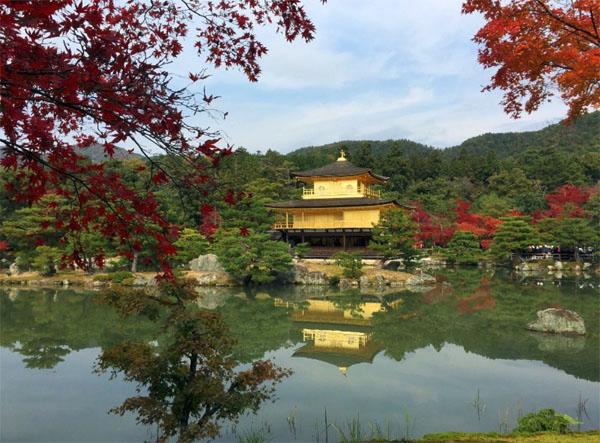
(78, 73)
(539, 46)
(482, 226)
(4, 245)
(433, 230)
(565, 202)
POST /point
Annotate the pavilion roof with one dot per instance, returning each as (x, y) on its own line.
(337, 202)
(338, 169)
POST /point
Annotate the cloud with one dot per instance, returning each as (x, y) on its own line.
(376, 70)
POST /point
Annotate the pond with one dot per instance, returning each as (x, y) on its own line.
(454, 357)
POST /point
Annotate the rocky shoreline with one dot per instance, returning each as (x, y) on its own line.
(377, 277)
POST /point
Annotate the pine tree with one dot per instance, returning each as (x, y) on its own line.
(463, 249)
(513, 236)
(394, 236)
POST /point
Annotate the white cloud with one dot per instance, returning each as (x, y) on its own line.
(378, 69)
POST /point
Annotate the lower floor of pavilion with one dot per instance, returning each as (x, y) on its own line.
(323, 243)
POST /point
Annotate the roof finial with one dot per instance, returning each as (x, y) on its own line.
(342, 157)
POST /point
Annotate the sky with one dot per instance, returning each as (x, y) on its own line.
(377, 70)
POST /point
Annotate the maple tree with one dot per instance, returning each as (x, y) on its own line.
(566, 201)
(540, 47)
(74, 74)
(481, 226)
(433, 230)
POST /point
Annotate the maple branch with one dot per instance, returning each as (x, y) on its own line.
(593, 39)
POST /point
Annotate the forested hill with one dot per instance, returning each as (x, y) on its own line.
(581, 136)
(314, 156)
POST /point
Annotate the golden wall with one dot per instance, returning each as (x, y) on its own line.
(327, 218)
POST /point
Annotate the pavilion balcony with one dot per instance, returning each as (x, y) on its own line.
(320, 224)
(361, 191)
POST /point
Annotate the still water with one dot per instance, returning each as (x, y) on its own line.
(454, 357)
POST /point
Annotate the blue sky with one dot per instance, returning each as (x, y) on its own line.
(377, 69)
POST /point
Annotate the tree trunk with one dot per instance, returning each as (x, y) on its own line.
(184, 418)
(134, 262)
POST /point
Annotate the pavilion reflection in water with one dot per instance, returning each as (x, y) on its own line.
(336, 332)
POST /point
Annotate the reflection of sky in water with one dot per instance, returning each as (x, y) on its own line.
(69, 403)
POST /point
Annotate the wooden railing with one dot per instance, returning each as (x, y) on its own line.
(362, 191)
(368, 191)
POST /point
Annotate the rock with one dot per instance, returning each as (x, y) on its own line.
(302, 276)
(14, 269)
(139, 281)
(206, 263)
(558, 265)
(207, 279)
(380, 282)
(420, 280)
(347, 283)
(432, 262)
(66, 282)
(587, 266)
(392, 265)
(262, 296)
(558, 321)
(98, 284)
(363, 282)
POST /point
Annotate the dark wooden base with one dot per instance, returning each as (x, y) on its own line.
(324, 243)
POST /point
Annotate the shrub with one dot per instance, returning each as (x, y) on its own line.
(115, 277)
(334, 280)
(350, 263)
(546, 420)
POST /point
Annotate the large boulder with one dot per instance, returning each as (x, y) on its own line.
(206, 263)
(558, 321)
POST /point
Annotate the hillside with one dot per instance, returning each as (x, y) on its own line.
(313, 156)
(96, 154)
(581, 136)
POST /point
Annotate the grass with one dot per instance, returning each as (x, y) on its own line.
(544, 437)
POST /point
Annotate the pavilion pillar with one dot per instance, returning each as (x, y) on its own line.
(344, 241)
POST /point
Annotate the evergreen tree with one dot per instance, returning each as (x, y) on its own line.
(363, 156)
(513, 236)
(190, 245)
(570, 234)
(463, 249)
(251, 257)
(350, 263)
(394, 236)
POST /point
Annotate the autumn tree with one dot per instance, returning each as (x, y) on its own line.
(539, 47)
(74, 74)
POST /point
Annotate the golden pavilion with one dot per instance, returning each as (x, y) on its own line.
(340, 205)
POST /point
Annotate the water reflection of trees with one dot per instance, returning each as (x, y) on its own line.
(485, 317)
(46, 325)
